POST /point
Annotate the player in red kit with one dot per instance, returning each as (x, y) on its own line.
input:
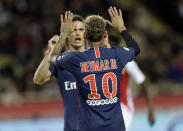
(133, 72)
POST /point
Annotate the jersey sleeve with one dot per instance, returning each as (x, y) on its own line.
(125, 54)
(66, 61)
(135, 72)
(52, 69)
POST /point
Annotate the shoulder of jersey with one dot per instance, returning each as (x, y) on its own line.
(63, 54)
(126, 48)
(60, 57)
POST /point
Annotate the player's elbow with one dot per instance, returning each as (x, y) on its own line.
(37, 81)
(41, 81)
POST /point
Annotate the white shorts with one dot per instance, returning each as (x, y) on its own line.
(127, 116)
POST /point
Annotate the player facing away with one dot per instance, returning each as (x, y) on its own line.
(66, 81)
(97, 71)
(132, 71)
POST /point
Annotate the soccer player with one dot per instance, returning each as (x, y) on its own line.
(132, 71)
(66, 81)
(97, 71)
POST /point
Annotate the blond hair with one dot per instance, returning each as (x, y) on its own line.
(95, 27)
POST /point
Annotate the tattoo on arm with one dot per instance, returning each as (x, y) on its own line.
(57, 49)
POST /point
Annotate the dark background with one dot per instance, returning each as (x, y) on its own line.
(27, 25)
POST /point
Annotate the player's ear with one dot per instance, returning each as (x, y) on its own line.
(105, 34)
(84, 35)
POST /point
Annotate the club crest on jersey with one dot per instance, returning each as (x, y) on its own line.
(60, 57)
(98, 65)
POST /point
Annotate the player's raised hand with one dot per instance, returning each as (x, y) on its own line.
(51, 44)
(116, 19)
(52, 41)
(66, 23)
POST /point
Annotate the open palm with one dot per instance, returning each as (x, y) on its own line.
(116, 19)
(66, 23)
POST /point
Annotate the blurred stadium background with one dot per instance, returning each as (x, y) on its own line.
(27, 25)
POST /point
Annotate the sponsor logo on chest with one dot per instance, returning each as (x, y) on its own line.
(70, 85)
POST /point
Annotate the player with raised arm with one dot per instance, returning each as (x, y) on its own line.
(133, 72)
(66, 81)
(97, 70)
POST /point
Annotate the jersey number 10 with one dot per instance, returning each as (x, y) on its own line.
(105, 87)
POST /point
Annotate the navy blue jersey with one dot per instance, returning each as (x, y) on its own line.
(70, 96)
(98, 74)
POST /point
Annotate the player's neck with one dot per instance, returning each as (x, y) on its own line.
(93, 44)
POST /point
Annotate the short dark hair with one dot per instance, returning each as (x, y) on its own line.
(77, 17)
(95, 27)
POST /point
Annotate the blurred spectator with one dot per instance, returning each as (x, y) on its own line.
(180, 8)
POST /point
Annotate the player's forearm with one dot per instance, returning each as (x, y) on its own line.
(148, 97)
(130, 42)
(151, 115)
(42, 74)
(57, 49)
